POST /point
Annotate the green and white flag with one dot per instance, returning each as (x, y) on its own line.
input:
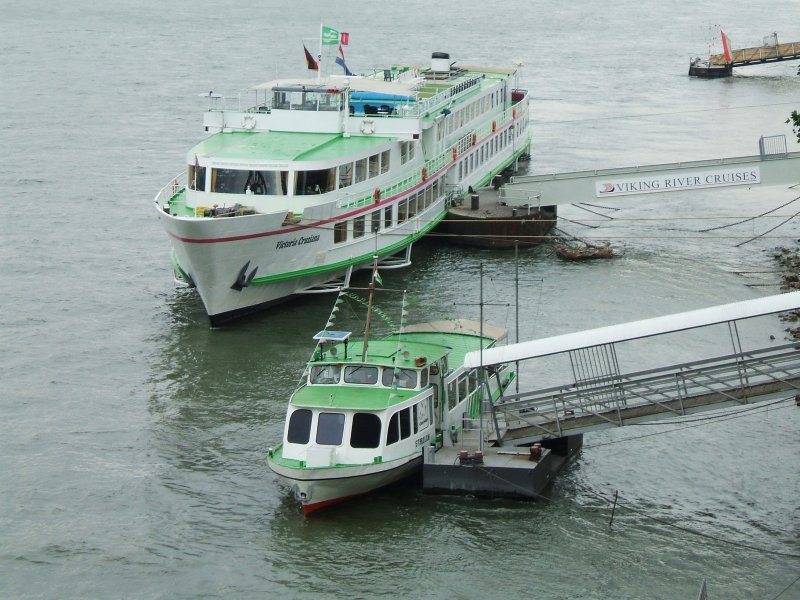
(330, 37)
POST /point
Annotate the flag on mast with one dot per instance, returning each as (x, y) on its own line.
(311, 62)
(341, 63)
(329, 36)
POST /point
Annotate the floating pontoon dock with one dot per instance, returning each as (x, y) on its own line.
(498, 456)
(721, 65)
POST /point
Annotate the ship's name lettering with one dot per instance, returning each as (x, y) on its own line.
(300, 241)
(423, 440)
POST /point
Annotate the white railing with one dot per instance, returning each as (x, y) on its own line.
(169, 191)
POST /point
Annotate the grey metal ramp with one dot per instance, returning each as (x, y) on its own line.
(601, 394)
(773, 166)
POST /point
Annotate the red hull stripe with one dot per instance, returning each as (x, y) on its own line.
(310, 508)
(249, 236)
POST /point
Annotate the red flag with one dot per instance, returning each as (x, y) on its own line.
(311, 63)
(726, 49)
(344, 38)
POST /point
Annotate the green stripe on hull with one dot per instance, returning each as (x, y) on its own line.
(352, 261)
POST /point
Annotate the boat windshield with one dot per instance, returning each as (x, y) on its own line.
(325, 374)
(306, 98)
(404, 378)
(242, 181)
(361, 374)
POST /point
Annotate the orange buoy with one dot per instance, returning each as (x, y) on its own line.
(513, 113)
(377, 194)
(474, 138)
(494, 126)
(424, 173)
(455, 153)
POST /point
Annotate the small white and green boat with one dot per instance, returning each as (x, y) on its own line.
(303, 180)
(365, 410)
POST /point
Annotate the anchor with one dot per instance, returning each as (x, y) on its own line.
(243, 279)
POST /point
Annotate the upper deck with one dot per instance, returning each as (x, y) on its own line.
(397, 100)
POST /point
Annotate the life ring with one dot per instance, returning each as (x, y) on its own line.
(455, 153)
(424, 173)
(513, 113)
(494, 126)
(377, 194)
(249, 122)
(474, 138)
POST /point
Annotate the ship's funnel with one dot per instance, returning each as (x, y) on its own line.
(440, 62)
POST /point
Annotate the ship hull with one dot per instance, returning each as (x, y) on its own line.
(318, 488)
(275, 263)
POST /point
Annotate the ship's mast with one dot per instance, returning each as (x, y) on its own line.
(369, 307)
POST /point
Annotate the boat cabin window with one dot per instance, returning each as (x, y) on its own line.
(358, 227)
(361, 374)
(405, 378)
(345, 174)
(325, 374)
(303, 98)
(315, 182)
(197, 178)
(406, 152)
(330, 427)
(366, 431)
(375, 222)
(340, 232)
(399, 426)
(452, 396)
(299, 430)
(242, 181)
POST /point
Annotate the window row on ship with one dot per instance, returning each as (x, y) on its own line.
(487, 151)
(365, 428)
(469, 112)
(299, 183)
(388, 216)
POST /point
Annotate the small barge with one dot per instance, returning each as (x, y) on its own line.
(492, 220)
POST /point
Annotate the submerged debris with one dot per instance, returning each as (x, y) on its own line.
(584, 251)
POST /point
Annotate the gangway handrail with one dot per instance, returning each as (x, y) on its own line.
(709, 162)
(678, 389)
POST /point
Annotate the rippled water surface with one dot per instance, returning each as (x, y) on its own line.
(132, 458)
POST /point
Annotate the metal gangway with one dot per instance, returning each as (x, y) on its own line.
(601, 394)
(773, 165)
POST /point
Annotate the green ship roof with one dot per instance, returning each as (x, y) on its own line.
(401, 351)
(282, 145)
(350, 396)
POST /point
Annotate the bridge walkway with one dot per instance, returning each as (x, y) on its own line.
(774, 165)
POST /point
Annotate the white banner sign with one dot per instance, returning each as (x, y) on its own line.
(672, 182)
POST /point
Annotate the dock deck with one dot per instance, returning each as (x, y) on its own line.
(759, 54)
(487, 218)
(507, 472)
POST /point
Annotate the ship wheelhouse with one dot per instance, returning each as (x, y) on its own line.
(373, 408)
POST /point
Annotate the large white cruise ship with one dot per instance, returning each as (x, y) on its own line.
(311, 178)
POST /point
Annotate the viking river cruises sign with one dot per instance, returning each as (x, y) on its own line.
(651, 183)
